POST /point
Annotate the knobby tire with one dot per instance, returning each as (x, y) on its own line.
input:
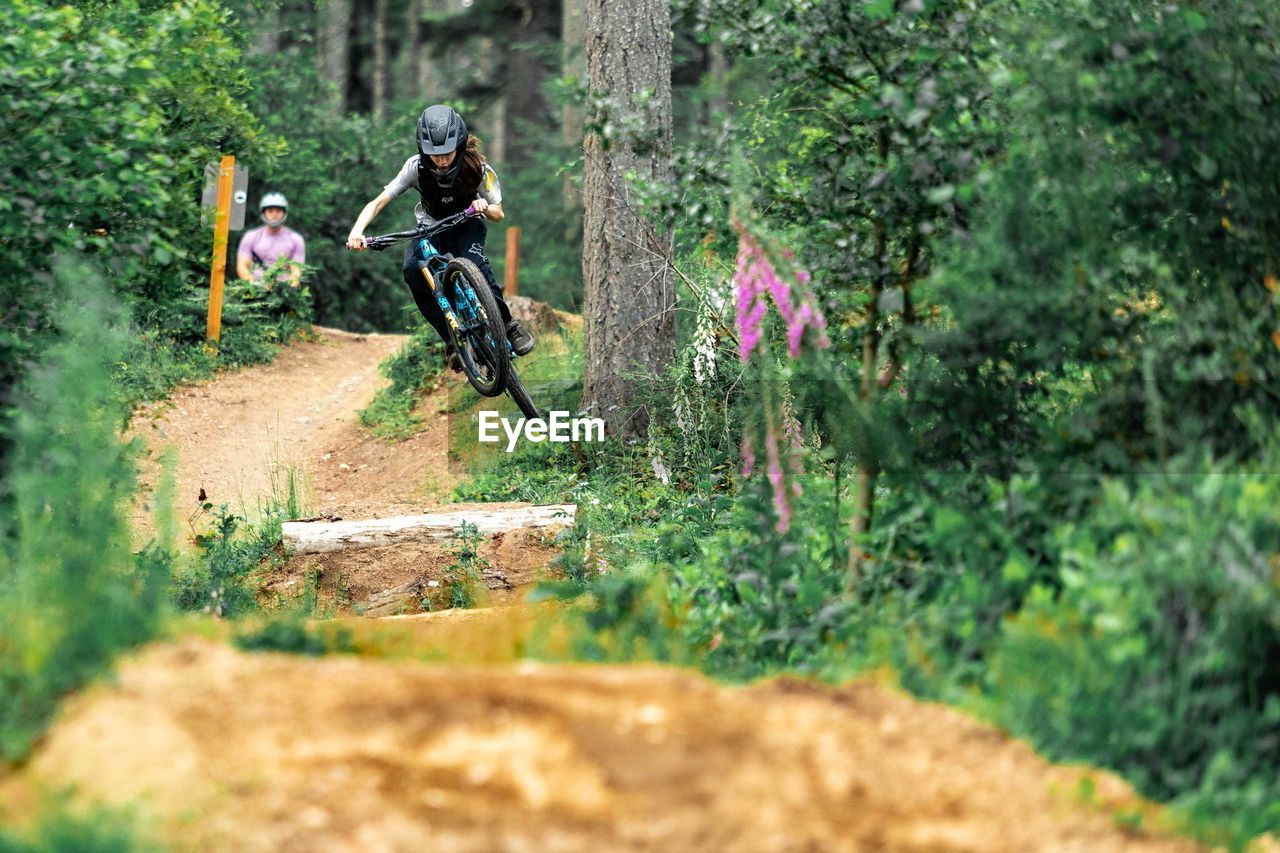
(497, 357)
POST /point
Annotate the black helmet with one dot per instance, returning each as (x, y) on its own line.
(441, 130)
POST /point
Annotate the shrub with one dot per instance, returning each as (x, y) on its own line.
(1160, 656)
(72, 594)
(233, 549)
(94, 830)
(464, 577)
(117, 107)
(293, 635)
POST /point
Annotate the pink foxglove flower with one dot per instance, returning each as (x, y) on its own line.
(756, 278)
(757, 281)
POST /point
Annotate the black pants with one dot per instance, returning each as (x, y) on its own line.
(464, 240)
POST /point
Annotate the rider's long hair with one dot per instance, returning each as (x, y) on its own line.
(472, 165)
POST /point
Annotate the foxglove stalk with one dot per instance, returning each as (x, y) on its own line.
(774, 473)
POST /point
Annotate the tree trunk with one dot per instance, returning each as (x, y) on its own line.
(494, 115)
(497, 145)
(333, 43)
(379, 58)
(267, 40)
(864, 488)
(413, 61)
(718, 71)
(573, 39)
(629, 299)
(528, 40)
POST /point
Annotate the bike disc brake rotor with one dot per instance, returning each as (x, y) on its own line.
(475, 344)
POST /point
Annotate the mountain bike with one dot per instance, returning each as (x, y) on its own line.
(471, 313)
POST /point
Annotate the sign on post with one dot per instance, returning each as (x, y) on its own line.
(222, 219)
(239, 196)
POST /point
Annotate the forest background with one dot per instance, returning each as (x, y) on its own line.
(978, 344)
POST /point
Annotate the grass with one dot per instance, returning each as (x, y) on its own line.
(256, 324)
(411, 369)
(234, 552)
(464, 577)
(553, 375)
(73, 593)
(60, 829)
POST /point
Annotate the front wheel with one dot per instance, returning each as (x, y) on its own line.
(482, 341)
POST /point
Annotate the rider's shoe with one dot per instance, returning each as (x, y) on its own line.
(521, 341)
(452, 358)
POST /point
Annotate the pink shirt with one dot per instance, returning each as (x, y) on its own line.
(264, 248)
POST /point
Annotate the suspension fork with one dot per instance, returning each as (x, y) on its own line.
(429, 252)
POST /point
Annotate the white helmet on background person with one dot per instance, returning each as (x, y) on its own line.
(274, 200)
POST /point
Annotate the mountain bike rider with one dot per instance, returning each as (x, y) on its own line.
(450, 174)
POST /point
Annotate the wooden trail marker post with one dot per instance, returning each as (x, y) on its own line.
(217, 272)
(511, 274)
(226, 191)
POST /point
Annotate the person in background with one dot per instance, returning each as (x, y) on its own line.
(262, 247)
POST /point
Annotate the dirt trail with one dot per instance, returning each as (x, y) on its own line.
(229, 750)
(300, 412)
(233, 430)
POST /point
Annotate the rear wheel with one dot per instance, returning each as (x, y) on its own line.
(482, 343)
(518, 393)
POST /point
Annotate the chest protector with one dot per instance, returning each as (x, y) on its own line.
(439, 201)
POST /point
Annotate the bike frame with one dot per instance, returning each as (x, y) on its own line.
(433, 266)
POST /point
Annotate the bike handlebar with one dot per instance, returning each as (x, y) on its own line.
(382, 241)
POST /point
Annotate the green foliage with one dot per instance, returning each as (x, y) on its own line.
(464, 577)
(153, 362)
(533, 199)
(1052, 226)
(72, 594)
(542, 473)
(294, 635)
(756, 601)
(222, 580)
(64, 830)
(118, 108)
(623, 616)
(1116, 273)
(1160, 656)
(411, 369)
(334, 164)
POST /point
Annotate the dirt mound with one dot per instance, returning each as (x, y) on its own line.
(270, 752)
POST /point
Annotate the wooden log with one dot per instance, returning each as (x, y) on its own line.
(315, 537)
